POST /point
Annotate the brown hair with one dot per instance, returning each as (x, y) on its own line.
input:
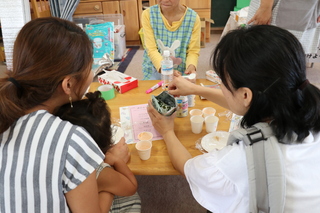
(46, 50)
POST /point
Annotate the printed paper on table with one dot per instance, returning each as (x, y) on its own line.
(134, 120)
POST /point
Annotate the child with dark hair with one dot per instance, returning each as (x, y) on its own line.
(114, 176)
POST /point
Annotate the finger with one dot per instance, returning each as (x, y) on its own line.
(176, 73)
(151, 110)
(171, 86)
(187, 72)
(121, 142)
(174, 92)
(150, 106)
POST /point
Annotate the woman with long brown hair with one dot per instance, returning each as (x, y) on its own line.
(46, 164)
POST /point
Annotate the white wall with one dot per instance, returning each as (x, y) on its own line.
(13, 15)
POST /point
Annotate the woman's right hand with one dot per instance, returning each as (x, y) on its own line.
(181, 86)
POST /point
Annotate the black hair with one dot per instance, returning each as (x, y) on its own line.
(270, 61)
(93, 114)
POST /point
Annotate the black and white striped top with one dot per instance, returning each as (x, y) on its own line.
(41, 159)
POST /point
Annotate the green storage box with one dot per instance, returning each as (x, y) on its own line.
(241, 4)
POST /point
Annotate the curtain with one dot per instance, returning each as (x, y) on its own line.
(63, 8)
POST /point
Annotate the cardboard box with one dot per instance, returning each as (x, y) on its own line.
(205, 30)
(121, 82)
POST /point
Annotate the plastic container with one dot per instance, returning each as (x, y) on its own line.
(166, 69)
(182, 106)
(119, 37)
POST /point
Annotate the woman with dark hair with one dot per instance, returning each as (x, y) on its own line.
(263, 75)
(46, 164)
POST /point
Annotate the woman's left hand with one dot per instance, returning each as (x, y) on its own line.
(120, 150)
(163, 124)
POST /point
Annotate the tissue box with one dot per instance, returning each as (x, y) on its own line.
(121, 82)
(212, 76)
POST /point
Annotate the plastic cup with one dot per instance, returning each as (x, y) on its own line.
(144, 149)
(211, 122)
(195, 112)
(208, 111)
(145, 136)
(107, 92)
(196, 123)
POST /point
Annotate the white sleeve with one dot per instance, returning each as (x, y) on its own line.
(219, 179)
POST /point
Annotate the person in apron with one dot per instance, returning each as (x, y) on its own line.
(170, 25)
(301, 18)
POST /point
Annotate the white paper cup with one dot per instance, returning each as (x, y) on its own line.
(196, 123)
(211, 122)
(144, 149)
(145, 136)
(195, 112)
(208, 111)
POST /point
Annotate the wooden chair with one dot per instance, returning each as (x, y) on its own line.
(40, 8)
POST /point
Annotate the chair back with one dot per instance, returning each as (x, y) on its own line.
(40, 8)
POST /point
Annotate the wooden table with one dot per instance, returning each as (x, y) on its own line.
(159, 162)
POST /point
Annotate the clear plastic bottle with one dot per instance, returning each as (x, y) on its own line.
(166, 69)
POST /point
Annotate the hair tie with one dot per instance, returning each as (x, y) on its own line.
(16, 83)
(303, 85)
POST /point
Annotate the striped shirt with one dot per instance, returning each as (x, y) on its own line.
(41, 159)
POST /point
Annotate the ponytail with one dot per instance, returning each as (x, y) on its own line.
(10, 108)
